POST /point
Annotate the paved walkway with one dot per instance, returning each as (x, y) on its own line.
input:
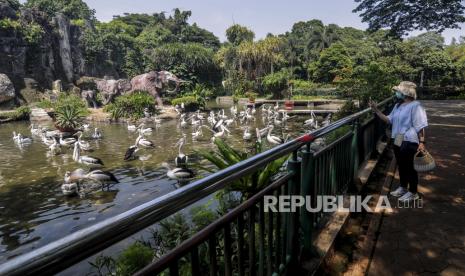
(431, 240)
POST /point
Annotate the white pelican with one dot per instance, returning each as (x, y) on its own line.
(132, 150)
(156, 120)
(15, 136)
(247, 135)
(183, 123)
(97, 134)
(70, 189)
(196, 134)
(182, 159)
(144, 142)
(253, 110)
(84, 159)
(132, 127)
(101, 177)
(48, 140)
(276, 107)
(23, 139)
(85, 145)
(145, 131)
(67, 142)
(180, 174)
(34, 130)
(55, 148)
(199, 116)
(272, 139)
(86, 127)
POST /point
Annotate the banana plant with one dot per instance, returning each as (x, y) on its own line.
(224, 156)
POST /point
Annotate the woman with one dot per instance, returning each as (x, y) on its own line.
(408, 120)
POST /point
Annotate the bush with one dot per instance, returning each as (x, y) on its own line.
(20, 113)
(134, 258)
(276, 83)
(131, 106)
(69, 111)
(190, 102)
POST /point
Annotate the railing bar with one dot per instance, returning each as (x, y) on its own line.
(261, 233)
(212, 255)
(174, 269)
(195, 263)
(227, 250)
(278, 236)
(251, 233)
(269, 267)
(284, 227)
(240, 244)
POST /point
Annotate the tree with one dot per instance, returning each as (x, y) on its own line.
(404, 16)
(73, 9)
(236, 34)
(331, 63)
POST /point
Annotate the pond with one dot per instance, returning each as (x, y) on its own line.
(33, 209)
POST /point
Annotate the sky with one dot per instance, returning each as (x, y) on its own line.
(262, 16)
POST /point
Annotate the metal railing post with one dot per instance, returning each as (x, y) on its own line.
(355, 151)
(307, 189)
(294, 167)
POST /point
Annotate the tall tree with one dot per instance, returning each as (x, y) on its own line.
(237, 34)
(404, 16)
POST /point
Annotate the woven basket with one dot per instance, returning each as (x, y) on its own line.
(423, 161)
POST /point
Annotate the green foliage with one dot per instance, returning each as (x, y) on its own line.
(31, 32)
(331, 63)
(73, 9)
(69, 111)
(190, 61)
(131, 106)
(20, 113)
(276, 83)
(401, 17)
(190, 102)
(225, 156)
(133, 258)
(236, 34)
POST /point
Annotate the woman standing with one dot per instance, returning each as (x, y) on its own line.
(408, 120)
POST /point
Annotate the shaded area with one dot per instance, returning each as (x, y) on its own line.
(431, 240)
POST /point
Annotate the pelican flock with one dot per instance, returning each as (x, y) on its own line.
(242, 121)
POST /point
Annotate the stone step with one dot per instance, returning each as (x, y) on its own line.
(39, 114)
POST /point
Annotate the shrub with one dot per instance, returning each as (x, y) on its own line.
(190, 102)
(69, 111)
(131, 106)
(276, 83)
(133, 258)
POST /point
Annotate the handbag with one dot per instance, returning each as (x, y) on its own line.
(423, 161)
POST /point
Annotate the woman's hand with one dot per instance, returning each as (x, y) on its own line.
(421, 146)
(373, 105)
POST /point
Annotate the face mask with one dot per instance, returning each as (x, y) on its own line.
(399, 95)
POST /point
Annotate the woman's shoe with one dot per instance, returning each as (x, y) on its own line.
(400, 191)
(408, 197)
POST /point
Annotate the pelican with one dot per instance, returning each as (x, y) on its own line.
(253, 110)
(132, 127)
(15, 136)
(55, 148)
(84, 159)
(48, 140)
(145, 131)
(183, 123)
(276, 107)
(23, 139)
(70, 189)
(82, 143)
(311, 121)
(195, 122)
(86, 127)
(272, 139)
(228, 122)
(71, 185)
(180, 174)
(199, 116)
(67, 142)
(34, 130)
(101, 177)
(326, 121)
(97, 134)
(144, 142)
(147, 113)
(157, 120)
(247, 135)
(182, 159)
(132, 150)
(197, 133)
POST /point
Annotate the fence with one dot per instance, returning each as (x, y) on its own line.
(245, 240)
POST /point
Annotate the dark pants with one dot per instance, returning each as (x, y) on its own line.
(407, 174)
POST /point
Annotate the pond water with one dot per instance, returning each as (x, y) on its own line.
(33, 210)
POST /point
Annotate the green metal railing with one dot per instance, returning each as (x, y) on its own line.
(246, 240)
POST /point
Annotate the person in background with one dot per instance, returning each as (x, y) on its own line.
(408, 120)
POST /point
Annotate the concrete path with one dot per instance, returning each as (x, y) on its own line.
(431, 240)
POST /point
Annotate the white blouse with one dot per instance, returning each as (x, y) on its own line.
(408, 119)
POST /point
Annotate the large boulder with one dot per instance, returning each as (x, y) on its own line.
(30, 91)
(7, 90)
